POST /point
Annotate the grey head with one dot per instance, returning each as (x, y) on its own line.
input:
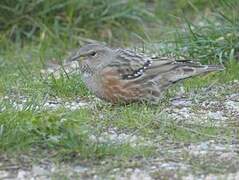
(92, 57)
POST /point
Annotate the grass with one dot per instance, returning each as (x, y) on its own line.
(76, 134)
(66, 132)
(68, 20)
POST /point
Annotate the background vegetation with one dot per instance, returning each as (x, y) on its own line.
(201, 28)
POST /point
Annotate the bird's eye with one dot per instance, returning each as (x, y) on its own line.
(93, 53)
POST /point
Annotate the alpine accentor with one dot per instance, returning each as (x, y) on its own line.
(124, 76)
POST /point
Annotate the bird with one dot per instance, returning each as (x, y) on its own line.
(120, 75)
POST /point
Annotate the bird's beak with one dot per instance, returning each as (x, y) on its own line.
(77, 57)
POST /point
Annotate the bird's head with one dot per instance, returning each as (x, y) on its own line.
(92, 57)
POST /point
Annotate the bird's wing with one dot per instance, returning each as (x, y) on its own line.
(131, 65)
(134, 66)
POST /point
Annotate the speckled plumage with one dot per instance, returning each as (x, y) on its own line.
(123, 76)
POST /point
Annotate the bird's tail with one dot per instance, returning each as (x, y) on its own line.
(188, 70)
(210, 68)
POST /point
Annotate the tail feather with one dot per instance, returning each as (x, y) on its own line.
(210, 68)
(189, 70)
